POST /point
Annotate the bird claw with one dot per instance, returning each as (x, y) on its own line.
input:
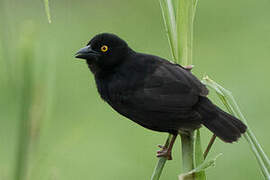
(164, 152)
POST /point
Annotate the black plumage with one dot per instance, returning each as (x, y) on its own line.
(153, 92)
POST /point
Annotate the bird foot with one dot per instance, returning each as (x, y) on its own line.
(164, 152)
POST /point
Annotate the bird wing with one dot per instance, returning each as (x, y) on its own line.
(169, 88)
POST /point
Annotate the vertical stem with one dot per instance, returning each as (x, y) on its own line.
(158, 169)
(161, 162)
(198, 156)
(184, 19)
(187, 141)
(179, 29)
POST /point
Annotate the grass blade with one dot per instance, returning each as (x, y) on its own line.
(47, 10)
(161, 162)
(26, 89)
(201, 168)
(170, 25)
(199, 159)
(32, 104)
(230, 103)
(184, 19)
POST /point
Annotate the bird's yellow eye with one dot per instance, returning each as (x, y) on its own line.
(104, 48)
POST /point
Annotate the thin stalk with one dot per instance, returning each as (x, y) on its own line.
(158, 169)
(170, 25)
(236, 110)
(230, 103)
(179, 30)
(184, 19)
(194, 9)
(161, 162)
(259, 159)
(199, 158)
(47, 10)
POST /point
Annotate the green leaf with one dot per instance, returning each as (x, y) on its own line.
(26, 87)
(202, 167)
(199, 156)
(184, 20)
(170, 25)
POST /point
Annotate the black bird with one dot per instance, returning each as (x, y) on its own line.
(153, 92)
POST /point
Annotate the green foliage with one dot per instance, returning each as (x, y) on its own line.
(199, 170)
(199, 159)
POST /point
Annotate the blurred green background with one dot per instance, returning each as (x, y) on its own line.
(73, 133)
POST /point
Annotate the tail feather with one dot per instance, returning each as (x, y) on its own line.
(225, 126)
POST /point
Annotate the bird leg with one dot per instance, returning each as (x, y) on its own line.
(166, 151)
(212, 140)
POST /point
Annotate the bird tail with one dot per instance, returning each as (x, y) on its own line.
(222, 124)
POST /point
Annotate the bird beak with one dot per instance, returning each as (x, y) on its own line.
(87, 53)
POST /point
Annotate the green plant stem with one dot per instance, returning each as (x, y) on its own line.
(161, 162)
(158, 169)
(259, 159)
(184, 18)
(199, 157)
(187, 143)
(179, 30)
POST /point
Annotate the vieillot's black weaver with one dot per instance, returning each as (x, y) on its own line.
(154, 92)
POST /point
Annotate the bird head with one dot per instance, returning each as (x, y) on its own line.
(104, 51)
